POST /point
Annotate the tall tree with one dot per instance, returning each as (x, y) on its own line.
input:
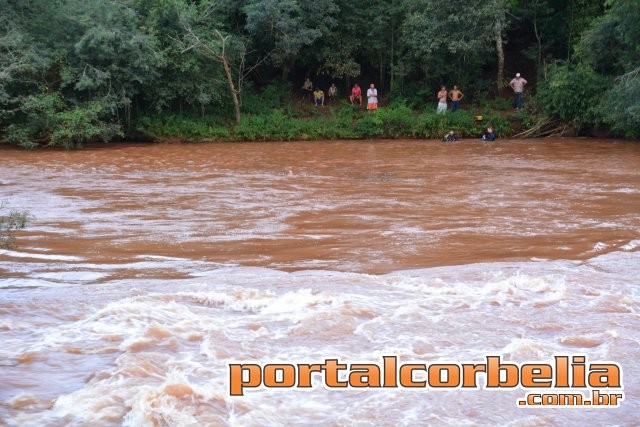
(204, 31)
(612, 48)
(467, 31)
(89, 59)
(285, 27)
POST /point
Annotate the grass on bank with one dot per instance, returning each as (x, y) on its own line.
(342, 121)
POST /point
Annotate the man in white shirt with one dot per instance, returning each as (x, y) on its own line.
(517, 84)
(372, 97)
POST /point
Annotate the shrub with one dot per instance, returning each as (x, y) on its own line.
(15, 220)
(44, 117)
(573, 95)
(431, 125)
(274, 95)
(183, 126)
(370, 125)
(397, 121)
(81, 124)
(620, 108)
(251, 128)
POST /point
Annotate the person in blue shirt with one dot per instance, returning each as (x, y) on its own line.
(490, 135)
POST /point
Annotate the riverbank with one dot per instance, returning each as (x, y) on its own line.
(304, 122)
(287, 118)
(338, 121)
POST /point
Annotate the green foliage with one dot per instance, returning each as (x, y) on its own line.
(611, 46)
(45, 118)
(342, 122)
(284, 27)
(278, 126)
(446, 45)
(371, 125)
(73, 71)
(397, 120)
(183, 126)
(85, 63)
(273, 96)
(185, 80)
(495, 104)
(36, 120)
(20, 135)
(573, 95)
(270, 126)
(430, 22)
(417, 95)
(432, 125)
(14, 220)
(621, 106)
(82, 124)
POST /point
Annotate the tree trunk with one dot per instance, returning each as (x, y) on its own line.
(499, 52)
(538, 40)
(393, 67)
(232, 88)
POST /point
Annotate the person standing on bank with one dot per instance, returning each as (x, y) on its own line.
(372, 97)
(442, 100)
(456, 96)
(517, 84)
(307, 89)
(333, 91)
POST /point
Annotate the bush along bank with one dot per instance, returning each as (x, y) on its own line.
(341, 122)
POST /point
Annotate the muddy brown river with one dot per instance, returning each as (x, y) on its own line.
(146, 269)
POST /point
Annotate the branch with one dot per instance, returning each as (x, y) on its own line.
(629, 77)
(183, 46)
(259, 62)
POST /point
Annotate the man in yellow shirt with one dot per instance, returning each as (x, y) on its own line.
(318, 96)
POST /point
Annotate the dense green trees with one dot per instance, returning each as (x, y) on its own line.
(85, 63)
(456, 37)
(601, 83)
(77, 70)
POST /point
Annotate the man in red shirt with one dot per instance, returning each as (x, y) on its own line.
(356, 94)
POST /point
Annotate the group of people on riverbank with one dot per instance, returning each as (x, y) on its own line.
(355, 97)
(372, 96)
(318, 94)
(455, 95)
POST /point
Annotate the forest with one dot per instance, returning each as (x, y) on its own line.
(76, 71)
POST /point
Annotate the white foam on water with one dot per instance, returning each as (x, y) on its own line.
(631, 245)
(27, 283)
(39, 249)
(71, 276)
(626, 190)
(16, 254)
(164, 345)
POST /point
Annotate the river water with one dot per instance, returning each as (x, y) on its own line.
(146, 269)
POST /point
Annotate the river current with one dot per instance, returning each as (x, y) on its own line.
(146, 269)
